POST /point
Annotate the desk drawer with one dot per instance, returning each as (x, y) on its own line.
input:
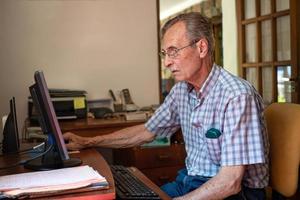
(159, 157)
(162, 175)
(144, 158)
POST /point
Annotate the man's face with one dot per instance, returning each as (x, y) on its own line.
(187, 63)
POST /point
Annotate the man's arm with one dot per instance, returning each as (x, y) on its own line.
(127, 137)
(226, 183)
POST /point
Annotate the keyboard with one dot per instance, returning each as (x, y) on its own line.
(128, 186)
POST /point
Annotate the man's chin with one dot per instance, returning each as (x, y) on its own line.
(177, 77)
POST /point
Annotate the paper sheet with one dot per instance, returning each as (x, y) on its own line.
(61, 178)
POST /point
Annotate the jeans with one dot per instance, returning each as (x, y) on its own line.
(185, 184)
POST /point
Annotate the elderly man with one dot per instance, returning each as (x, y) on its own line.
(220, 115)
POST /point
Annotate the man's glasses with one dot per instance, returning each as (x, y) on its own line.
(172, 52)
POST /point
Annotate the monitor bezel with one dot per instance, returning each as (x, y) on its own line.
(11, 143)
(49, 114)
(14, 115)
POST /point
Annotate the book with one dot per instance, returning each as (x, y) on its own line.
(158, 142)
(53, 181)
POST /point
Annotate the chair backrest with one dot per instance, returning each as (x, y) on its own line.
(283, 125)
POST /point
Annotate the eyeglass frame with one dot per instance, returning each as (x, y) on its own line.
(163, 53)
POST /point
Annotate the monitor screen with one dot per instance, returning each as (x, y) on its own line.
(10, 143)
(59, 157)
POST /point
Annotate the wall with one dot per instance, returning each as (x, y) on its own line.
(79, 44)
(230, 41)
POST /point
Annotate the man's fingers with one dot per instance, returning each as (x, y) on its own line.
(73, 142)
(67, 135)
(70, 147)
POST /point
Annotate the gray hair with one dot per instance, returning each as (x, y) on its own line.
(197, 27)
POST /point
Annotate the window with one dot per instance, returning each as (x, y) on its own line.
(268, 33)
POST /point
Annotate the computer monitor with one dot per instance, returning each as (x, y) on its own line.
(10, 142)
(58, 156)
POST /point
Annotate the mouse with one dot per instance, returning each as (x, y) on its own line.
(101, 112)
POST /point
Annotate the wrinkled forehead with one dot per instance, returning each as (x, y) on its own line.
(175, 36)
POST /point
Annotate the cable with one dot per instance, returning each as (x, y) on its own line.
(23, 162)
(32, 148)
(24, 150)
(37, 156)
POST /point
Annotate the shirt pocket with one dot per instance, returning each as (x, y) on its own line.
(214, 149)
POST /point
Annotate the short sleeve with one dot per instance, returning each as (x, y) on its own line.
(165, 120)
(244, 132)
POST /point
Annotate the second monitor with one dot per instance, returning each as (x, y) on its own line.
(10, 143)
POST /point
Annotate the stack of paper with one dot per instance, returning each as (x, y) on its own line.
(49, 181)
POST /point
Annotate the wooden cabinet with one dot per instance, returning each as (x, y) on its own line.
(162, 175)
(160, 164)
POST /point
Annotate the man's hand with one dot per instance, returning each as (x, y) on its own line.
(75, 142)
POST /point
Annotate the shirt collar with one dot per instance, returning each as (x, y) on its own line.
(208, 83)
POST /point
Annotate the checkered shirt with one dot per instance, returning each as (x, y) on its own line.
(232, 106)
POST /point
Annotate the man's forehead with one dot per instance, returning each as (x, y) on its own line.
(174, 35)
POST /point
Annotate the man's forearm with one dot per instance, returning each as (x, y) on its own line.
(128, 137)
(209, 191)
(224, 184)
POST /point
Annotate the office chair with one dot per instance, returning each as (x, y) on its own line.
(283, 125)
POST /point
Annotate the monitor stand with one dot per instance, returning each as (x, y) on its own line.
(50, 161)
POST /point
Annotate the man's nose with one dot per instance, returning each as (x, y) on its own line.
(168, 61)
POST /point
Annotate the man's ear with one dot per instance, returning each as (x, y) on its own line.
(202, 46)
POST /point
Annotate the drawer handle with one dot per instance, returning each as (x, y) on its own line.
(163, 157)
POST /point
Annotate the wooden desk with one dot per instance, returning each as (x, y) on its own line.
(94, 159)
(89, 157)
(160, 164)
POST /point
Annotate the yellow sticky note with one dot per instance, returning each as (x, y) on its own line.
(79, 103)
